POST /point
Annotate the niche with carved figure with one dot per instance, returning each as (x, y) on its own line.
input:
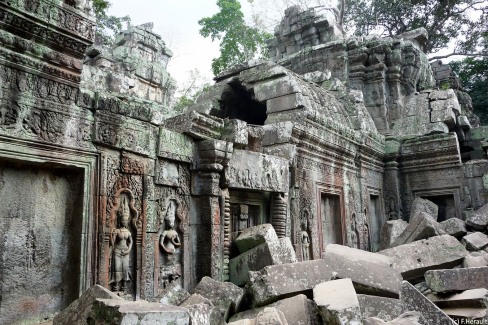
(170, 244)
(124, 224)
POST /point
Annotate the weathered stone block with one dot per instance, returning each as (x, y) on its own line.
(474, 261)
(337, 302)
(371, 273)
(413, 259)
(270, 253)
(173, 294)
(413, 300)
(275, 282)
(225, 296)
(115, 312)
(78, 311)
(277, 133)
(390, 232)
(454, 227)
(424, 205)
(257, 171)
(479, 219)
(475, 241)
(421, 226)
(457, 279)
(468, 315)
(286, 102)
(298, 310)
(254, 236)
(463, 122)
(444, 115)
(408, 318)
(275, 88)
(266, 316)
(474, 298)
(202, 311)
(271, 316)
(441, 94)
(384, 308)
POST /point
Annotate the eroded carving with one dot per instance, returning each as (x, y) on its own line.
(170, 243)
(121, 242)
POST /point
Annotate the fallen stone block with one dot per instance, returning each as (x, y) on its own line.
(478, 219)
(337, 302)
(413, 300)
(381, 307)
(439, 252)
(271, 253)
(468, 315)
(115, 312)
(423, 205)
(298, 310)
(267, 316)
(475, 241)
(78, 311)
(271, 316)
(173, 294)
(408, 318)
(276, 282)
(457, 279)
(421, 226)
(474, 298)
(255, 236)
(371, 273)
(390, 232)
(454, 227)
(225, 296)
(474, 261)
(202, 311)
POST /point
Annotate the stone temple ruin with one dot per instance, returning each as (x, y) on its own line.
(297, 169)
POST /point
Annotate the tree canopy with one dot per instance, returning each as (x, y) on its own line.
(238, 41)
(108, 26)
(462, 21)
(473, 73)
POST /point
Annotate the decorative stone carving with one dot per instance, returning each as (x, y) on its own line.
(305, 236)
(121, 241)
(170, 242)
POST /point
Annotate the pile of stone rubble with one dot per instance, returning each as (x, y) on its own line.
(430, 273)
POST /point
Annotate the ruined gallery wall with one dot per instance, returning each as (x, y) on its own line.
(49, 164)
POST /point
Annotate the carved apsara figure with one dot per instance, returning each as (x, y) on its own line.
(169, 242)
(121, 242)
(354, 232)
(169, 239)
(305, 236)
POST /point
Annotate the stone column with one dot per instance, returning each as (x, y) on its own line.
(278, 214)
(392, 192)
(213, 156)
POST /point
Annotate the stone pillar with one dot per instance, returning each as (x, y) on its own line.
(392, 192)
(213, 156)
(278, 214)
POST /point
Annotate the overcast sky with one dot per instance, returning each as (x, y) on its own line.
(177, 22)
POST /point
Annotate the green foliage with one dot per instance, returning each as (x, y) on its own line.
(238, 41)
(473, 73)
(107, 26)
(189, 99)
(446, 20)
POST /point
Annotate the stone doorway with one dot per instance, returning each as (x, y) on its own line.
(41, 236)
(331, 219)
(247, 209)
(446, 205)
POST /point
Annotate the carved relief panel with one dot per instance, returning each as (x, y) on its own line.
(170, 237)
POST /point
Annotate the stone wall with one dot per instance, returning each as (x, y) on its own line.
(326, 144)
